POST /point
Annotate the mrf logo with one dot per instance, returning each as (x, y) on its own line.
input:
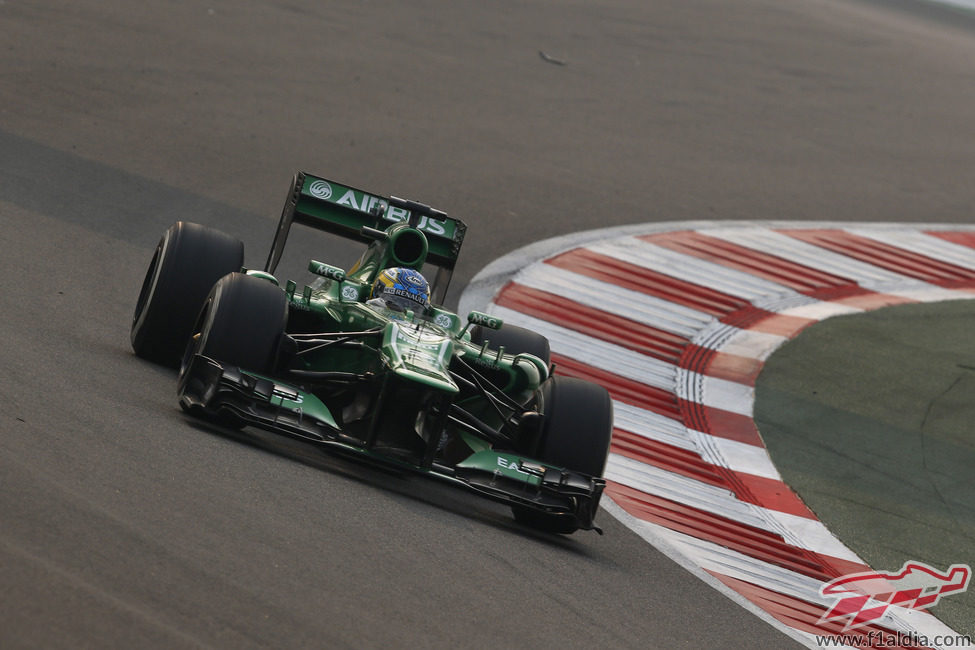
(862, 598)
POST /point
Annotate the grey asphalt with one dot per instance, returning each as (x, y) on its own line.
(123, 525)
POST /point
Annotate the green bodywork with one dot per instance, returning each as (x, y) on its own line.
(403, 361)
(417, 348)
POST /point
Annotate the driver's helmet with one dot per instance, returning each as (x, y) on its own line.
(402, 289)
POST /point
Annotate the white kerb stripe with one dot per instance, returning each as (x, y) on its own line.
(728, 562)
(727, 395)
(734, 564)
(689, 268)
(652, 426)
(690, 492)
(765, 240)
(736, 456)
(915, 241)
(634, 305)
(745, 343)
(594, 352)
(797, 531)
(934, 294)
(821, 310)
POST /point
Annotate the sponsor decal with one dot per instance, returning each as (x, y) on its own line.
(406, 293)
(327, 271)
(349, 292)
(364, 202)
(418, 349)
(412, 278)
(512, 465)
(435, 346)
(426, 224)
(863, 598)
(369, 203)
(486, 363)
(484, 320)
(321, 189)
(444, 321)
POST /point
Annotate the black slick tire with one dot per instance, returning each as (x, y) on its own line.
(575, 435)
(515, 340)
(241, 323)
(188, 260)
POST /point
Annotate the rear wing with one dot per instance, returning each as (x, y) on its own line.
(352, 213)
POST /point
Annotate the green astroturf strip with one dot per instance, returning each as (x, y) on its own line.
(871, 419)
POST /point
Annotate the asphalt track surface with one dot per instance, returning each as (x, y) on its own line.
(123, 525)
(869, 419)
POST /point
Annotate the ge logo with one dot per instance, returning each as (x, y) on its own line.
(444, 321)
(321, 189)
(349, 293)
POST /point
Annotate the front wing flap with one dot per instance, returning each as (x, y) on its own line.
(210, 389)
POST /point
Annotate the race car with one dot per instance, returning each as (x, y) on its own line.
(366, 361)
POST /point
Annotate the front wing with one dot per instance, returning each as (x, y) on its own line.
(212, 390)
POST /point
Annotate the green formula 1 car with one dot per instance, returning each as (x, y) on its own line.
(345, 364)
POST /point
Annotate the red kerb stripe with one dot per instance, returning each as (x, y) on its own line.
(769, 493)
(764, 492)
(892, 258)
(960, 238)
(620, 388)
(723, 365)
(764, 265)
(751, 541)
(651, 283)
(721, 423)
(602, 325)
(660, 454)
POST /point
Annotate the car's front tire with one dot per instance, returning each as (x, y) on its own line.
(575, 435)
(515, 340)
(241, 323)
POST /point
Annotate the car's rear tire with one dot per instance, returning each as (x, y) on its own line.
(515, 340)
(188, 260)
(575, 435)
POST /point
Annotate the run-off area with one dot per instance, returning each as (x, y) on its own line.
(870, 418)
